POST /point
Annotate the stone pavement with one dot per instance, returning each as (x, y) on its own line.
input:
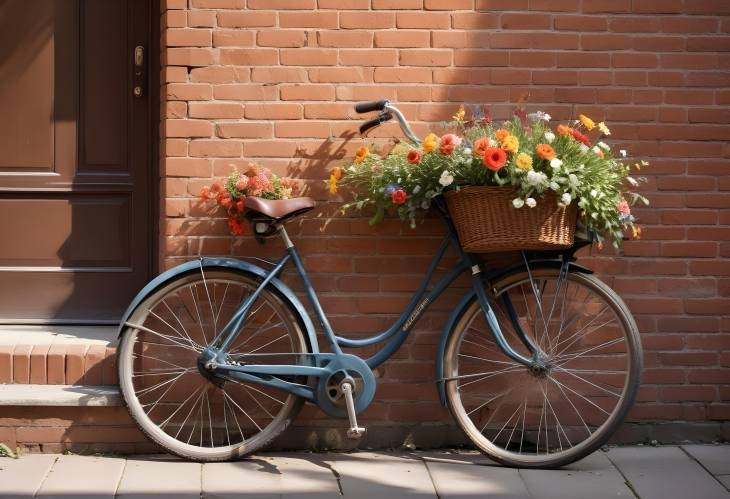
(686, 472)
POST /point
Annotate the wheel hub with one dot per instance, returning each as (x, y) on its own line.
(206, 367)
(540, 367)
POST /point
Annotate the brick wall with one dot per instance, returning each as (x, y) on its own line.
(273, 81)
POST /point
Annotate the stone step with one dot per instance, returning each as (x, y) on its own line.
(58, 355)
(60, 395)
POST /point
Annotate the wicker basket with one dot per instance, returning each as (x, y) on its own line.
(486, 221)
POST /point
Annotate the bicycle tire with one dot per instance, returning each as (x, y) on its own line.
(167, 311)
(509, 450)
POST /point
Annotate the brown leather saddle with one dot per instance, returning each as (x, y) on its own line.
(265, 214)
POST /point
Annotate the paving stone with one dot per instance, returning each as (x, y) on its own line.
(89, 477)
(662, 472)
(716, 458)
(23, 477)
(369, 475)
(267, 477)
(159, 477)
(454, 480)
(593, 477)
(725, 479)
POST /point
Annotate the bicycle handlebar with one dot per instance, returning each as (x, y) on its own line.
(375, 105)
(387, 112)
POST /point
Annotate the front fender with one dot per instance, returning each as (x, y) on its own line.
(466, 301)
(286, 293)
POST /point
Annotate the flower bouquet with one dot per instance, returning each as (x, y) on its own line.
(255, 181)
(517, 185)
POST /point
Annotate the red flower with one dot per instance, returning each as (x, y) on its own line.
(494, 158)
(235, 226)
(448, 143)
(398, 197)
(217, 186)
(580, 137)
(239, 205)
(414, 157)
(226, 202)
(205, 193)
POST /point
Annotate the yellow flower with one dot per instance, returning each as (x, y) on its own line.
(524, 161)
(430, 143)
(603, 128)
(587, 122)
(459, 116)
(361, 154)
(333, 184)
(336, 172)
(510, 144)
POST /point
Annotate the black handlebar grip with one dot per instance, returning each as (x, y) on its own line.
(366, 107)
(382, 118)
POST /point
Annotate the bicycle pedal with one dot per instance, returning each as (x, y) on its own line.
(355, 433)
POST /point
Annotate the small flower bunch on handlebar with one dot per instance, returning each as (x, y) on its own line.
(524, 153)
(230, 192)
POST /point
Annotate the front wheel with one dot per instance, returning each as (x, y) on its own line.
(184, 408)
(569, 406)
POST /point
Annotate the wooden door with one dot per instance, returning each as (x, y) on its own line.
(75, 199)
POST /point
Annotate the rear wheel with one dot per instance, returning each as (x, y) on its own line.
(565, 409)
(182, 407)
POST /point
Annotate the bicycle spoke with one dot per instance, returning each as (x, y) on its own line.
(586, 381)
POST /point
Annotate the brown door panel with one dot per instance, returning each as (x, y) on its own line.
(74, 159)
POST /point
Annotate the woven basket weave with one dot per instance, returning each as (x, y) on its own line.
(486, 221)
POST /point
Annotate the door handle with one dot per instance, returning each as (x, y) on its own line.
(138, 89)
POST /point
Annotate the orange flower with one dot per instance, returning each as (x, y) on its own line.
(480, 147)
(205, 193)
(336, 172)
(510, 144)
(501, 134)
(544, 151)
(361, 154)
(564, 130)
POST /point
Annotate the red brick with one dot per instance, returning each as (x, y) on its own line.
(75, 364)
(233, 38)
(307, 92)
(6, 364)
(21, 364)
(308, 19)
(246, 129)
(38, 364)
(367, 20)
(279, 111)
(213, 148)
(188, 128)
(246, 19)
(216, 110)
(186, 37)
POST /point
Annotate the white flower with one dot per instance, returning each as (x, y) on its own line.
(536, 178)
(539, 115)
(622, 152)
(566, 199)
(549, 136)
(596, 150)
(573, 180)
(518, 203)
(594, 193)
(446, 178)
(417, 189)
(603, 146)
(632, 181)
(531, 202)
(584, 148)
(554, 186)
(556, 163)
(467, 151)
(492, 143)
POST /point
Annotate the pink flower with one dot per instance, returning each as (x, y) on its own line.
(398, 196)
(242, 182)
(623, 208)
(448, 143)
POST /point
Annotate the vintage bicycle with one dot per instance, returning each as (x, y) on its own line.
(539, 362)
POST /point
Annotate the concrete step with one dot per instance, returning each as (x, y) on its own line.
(58, 355)
(60, 395)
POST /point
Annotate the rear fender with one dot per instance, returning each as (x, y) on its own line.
(230, 263)
(465, 302)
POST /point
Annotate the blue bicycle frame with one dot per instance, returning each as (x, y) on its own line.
(316, 365)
